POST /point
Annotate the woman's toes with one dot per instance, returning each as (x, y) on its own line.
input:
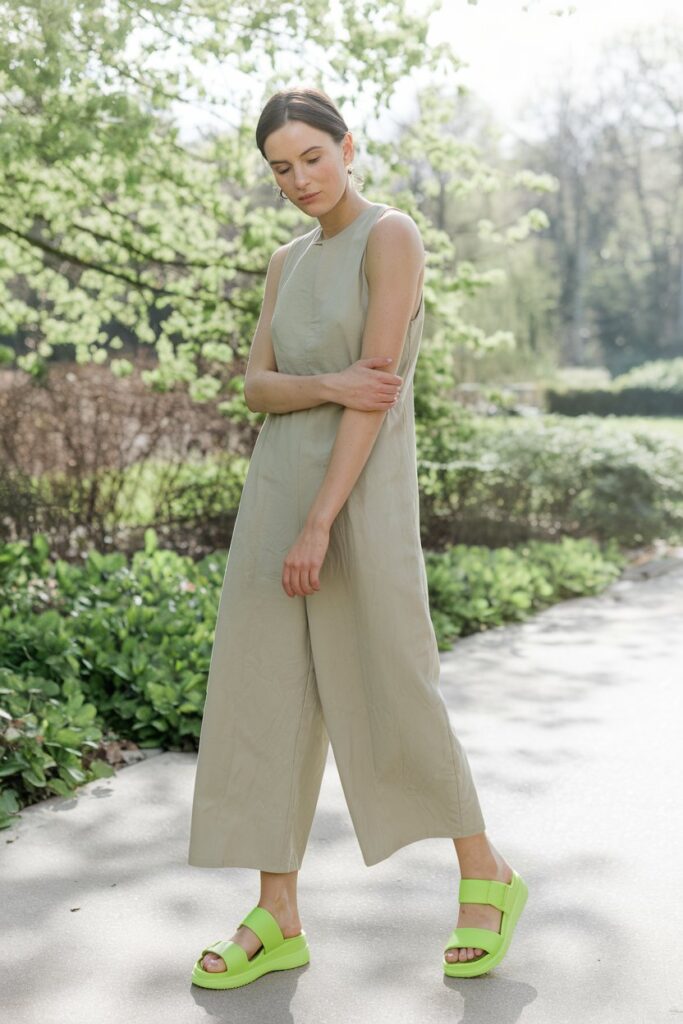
(463, 953)
(213, 962)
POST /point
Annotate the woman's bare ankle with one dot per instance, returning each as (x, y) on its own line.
(279, 897)
(479, 858)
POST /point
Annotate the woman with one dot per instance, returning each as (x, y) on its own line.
(323, 631)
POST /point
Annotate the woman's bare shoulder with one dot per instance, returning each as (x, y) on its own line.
(395, 227)
(279, 255)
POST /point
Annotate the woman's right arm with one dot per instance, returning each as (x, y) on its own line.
(363, 385)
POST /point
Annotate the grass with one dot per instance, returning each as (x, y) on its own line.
(661, 426)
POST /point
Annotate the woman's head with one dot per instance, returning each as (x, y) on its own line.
(308, 147)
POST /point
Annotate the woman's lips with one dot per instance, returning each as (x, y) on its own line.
(310, 199)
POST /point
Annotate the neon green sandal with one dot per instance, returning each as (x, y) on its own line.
(510, 898)
(276, 954)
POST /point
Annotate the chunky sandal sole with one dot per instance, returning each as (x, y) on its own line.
(276, 954)
(510, 898)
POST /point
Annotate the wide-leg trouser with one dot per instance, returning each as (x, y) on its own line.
(355, 664)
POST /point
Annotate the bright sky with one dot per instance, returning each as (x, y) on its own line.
(512, 54)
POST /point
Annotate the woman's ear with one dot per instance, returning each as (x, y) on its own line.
(347, 149)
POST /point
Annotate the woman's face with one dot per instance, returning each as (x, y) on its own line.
(307, 161)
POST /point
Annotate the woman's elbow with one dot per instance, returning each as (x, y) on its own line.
(251, 395)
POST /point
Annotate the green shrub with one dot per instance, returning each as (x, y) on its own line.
(47, 731)
(661, 374)
(518, 479)
(474, 588)
(652, 389)
(137, 633)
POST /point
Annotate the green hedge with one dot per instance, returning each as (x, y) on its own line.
(515, 479)
(626, 402)
(123, 648)
(652, 389)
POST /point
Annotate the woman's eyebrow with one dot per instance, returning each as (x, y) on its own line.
(300, 154)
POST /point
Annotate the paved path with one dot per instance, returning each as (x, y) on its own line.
(572, 722)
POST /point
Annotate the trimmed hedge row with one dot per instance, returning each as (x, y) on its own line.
(632, 401)
(652, 389)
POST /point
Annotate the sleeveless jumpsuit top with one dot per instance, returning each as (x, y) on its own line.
(317, 327)
(356, 662)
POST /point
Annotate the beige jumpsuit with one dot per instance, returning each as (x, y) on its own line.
(355, 663)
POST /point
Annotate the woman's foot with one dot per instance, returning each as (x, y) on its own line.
(286, 916)
(481, 861)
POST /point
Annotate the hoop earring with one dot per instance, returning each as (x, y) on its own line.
(282, 195)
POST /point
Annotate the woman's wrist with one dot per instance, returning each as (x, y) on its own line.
(329, 386)
(318, 521)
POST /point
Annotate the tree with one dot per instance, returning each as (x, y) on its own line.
(113, 231)
(111, 228)
(616, 222)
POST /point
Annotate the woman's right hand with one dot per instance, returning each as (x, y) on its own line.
(361, 386)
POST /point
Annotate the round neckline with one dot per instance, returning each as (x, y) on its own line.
(320, 239)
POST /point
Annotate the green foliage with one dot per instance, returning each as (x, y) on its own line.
(47, 730)
(658, 374)
(475, 588)
(626, 401)
(111, 228)
(513, 479)
(654, 388)
(138, 636)
(140, 240)
(452, 188)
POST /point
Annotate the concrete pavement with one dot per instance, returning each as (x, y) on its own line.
(572, 723)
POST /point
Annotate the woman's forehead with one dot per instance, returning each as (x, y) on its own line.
(293, 140)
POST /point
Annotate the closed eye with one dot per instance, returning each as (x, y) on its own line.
(308, 162)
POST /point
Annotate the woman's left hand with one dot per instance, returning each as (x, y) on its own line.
(301, 569)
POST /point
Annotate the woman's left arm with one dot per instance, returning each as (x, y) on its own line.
(393, 262)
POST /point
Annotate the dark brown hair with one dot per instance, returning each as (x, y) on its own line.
(312, 106)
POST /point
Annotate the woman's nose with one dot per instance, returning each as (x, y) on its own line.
(300, 179)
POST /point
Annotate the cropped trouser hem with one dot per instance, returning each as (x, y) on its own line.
(294, 863)
(374, 858)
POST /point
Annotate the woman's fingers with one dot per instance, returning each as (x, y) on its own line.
(300, 581)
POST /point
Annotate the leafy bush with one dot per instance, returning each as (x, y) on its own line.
(474, 588)
(520, 479)
(47, 731)
(661, 374)
(137, 634)
(652, 389)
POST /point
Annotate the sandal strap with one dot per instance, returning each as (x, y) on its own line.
(233, 954)
(484, 890)
(474, 938)
(262, 922)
